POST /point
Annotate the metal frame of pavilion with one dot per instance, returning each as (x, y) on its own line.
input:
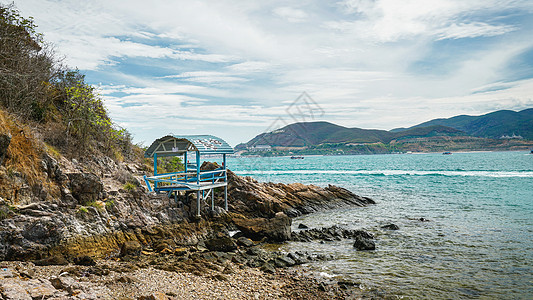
(192, 178)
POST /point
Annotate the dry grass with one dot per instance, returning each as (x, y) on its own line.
(24, 151)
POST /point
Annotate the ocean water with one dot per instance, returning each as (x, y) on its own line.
(478, 243)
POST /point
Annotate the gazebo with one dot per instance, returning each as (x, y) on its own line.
(191, 178)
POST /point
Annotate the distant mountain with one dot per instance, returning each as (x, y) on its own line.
(311, 134)
(492, 125)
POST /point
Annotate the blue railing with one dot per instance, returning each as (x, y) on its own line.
(182, 180)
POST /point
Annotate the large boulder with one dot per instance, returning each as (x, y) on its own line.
(5, 140)
(222, 244)
(85, 187)
(277, 229)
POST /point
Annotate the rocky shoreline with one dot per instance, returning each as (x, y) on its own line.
(97, 212)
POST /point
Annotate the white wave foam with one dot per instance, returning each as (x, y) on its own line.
(497, 174)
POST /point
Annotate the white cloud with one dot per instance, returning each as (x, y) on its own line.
(290, 14)
(475, 29)
(237, 64)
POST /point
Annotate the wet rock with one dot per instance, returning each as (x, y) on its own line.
(84, 261)
(364, 243)
(303, 226)
(391, 227)
(283, 261)
(333, 233)
(277, 229)
(132, 248)
(224, 244)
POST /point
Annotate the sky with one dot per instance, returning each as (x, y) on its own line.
(236, 69)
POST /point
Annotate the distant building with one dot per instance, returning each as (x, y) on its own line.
(518, 137)
(259, 148)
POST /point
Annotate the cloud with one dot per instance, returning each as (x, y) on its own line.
(232, 67)
(471, 30)
(291, 14)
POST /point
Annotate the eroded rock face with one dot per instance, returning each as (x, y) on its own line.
(277, 229)
(95, 215)
(85, 187)
(264, 199)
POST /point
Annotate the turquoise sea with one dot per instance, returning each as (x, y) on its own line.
(478, 243)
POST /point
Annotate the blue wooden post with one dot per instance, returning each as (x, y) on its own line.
(226, 182)
(155, 169)
(185, 163)
(198, 182)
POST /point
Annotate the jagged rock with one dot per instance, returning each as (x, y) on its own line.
(5, 140)
(263, 199)
(84, 261)
(283, 261)
(244, 241)
(224, 244)
(328, 234)
(85, 187)
(364, 243)
(391, 227)
(277, 229)
(130, 248)
(66, 283)
(303, 226)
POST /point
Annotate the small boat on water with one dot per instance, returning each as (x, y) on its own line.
(297, 157)
(446, 153)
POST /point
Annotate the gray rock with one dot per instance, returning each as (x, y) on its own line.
(244, 241)
(363, 243)
(277, 229)
(391, 227)
(224, 244)
(85, 187)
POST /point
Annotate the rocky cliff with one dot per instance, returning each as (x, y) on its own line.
(94, 206)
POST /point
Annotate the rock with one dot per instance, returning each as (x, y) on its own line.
(132, 248)
(85, 187)
(391, 227)
(328, 234)
(423, 220)
(220, 277)
(84, 261)
(66, 283)
(268, 268)
(5, 140)
(244, 241)
(126, 279)
(154, 296)
(277, 229)
(180, 251)
(303, 226)
(363, 243)
(224, 244)
(51, 260)
(283, 261)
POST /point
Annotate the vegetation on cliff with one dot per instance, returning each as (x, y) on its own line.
(54, 100)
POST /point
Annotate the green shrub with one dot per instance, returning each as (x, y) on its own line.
(129, 186)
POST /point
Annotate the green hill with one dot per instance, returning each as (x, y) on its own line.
(312, 134)
(492, 125)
